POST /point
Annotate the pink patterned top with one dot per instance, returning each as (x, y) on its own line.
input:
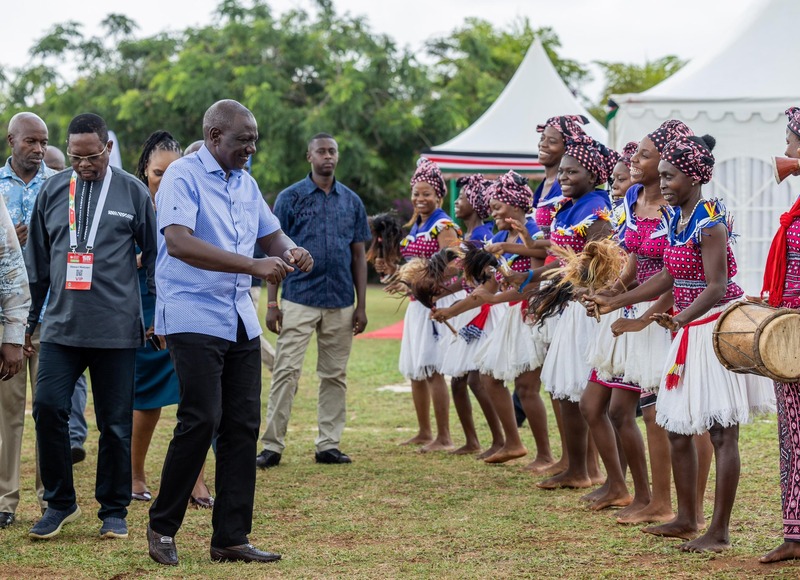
(683, 258)
(546, 206)
(791, 288)
(422, 241)
(515, 262)
(648, 247)
(574, 218)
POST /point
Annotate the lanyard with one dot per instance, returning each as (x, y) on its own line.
(98, 212)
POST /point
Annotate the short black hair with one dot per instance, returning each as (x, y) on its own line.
(320, 136)
(89, 123)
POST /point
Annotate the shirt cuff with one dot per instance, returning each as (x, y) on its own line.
(14, 334)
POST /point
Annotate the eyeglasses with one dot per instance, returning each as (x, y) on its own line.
(75, 159)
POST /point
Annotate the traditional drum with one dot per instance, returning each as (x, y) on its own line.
(757, 339)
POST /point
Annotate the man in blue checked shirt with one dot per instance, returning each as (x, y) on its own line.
(210, 216)
(329, 219)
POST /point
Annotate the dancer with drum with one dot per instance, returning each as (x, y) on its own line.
(460, 362)
(423, 344)
(697, 393)
(782, 282)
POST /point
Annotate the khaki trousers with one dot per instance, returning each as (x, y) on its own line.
(12, 420)
(334, 328)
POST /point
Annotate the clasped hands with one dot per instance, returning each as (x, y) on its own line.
(275, 269)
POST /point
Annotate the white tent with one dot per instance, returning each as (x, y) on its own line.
(738, 95)
(505, 137)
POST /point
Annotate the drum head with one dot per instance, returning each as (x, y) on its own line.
(779, 346)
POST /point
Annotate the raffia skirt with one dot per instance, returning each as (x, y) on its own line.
(708, 393)
(566, 368)
(634, 357)
(424, 342)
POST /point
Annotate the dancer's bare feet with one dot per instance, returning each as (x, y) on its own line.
(641, 512)
(437, 445)
(706, 543)
(491, 451)
(420, 439)
(611, 500)
(673, 529)
(786, 551)
(559, 466)
(467, 449)
(565, 479)
(595, 493)
(540, 465)
(598, 478)
(506, 454)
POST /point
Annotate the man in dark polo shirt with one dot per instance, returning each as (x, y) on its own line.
(329, 220)
(84, 225)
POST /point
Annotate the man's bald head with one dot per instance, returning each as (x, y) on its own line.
(230, 133)
(22, 121)
(54, 158)
(27, 137)
(192, 148)
(222, 114)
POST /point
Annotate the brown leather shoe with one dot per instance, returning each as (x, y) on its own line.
(162, 548)
(243, 553)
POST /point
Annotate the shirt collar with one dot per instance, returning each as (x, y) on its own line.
(311, 187)
(210, 164)
(7, 172)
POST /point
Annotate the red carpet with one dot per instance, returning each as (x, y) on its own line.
(391, 332)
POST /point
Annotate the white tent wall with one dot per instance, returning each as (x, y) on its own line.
(738, 96)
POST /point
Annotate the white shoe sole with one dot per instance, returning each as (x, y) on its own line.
(70, 518)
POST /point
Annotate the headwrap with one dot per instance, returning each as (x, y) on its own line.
(595, 157)
(512, 189)
(474, 188)
(568, 125)
(690, 157)
(427, 171)
(794, 120)
(668, 131)
(627, 152)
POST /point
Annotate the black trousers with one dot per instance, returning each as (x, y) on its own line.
(220, 391)
(111, 372)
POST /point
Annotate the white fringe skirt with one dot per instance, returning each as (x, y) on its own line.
(461, 353)
(510, 350)
(634, 357)
(424, 342)
(707, 392)
(566, 370)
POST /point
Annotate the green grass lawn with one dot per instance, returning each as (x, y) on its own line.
(396, 513)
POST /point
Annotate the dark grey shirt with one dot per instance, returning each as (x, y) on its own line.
(109, 315)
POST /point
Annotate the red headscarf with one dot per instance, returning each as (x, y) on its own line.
(568, 125)
(474, 188)
(668, 131)
(512, 189)
(690, 157)
(627, 152)
(427, 171)
(794, 120)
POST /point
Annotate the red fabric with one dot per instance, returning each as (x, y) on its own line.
(775, 271)
(391, 332)
(674, 374)
(480, 319)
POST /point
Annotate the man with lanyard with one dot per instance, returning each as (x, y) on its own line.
(210, 216)
(83, 229)
(20, 181)
(329, 218)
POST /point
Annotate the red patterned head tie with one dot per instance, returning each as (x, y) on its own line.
(691, 157)
(474, 188)
(595, 157)
(627, 152)
(568, 125)
(427, 171)
(668, 131)
(512, 189)
(794, 120)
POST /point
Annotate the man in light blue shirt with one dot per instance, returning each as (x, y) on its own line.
(210, 216)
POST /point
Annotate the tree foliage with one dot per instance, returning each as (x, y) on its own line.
(632, 78)
(300, 73)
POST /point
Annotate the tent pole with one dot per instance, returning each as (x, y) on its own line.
(453, 196)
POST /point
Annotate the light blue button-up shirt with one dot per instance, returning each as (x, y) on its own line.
(231, 215)
(18, 195)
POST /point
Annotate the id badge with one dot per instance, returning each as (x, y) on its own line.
(79, 271)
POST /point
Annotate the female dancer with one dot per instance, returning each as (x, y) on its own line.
(782, 282)
(472, 208)
(509, 354)
(697, 393)
(423, 344)
(155, 382)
